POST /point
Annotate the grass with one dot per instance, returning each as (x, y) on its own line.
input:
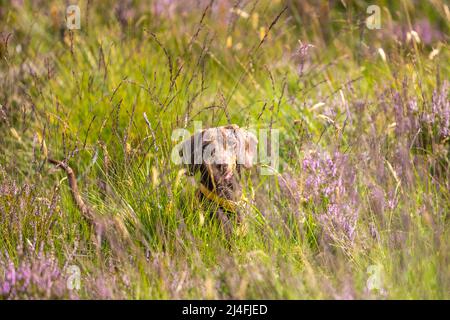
(362, 192)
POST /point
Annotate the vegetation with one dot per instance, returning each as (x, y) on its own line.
(359, 208)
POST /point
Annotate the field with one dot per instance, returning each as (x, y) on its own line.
(357, 208)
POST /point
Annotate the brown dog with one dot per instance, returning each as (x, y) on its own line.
(220, 154)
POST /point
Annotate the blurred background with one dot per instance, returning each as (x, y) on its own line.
(358, 91)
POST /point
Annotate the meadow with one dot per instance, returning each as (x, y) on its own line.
(358, 207)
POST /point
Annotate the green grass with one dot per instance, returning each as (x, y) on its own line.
(84, 100)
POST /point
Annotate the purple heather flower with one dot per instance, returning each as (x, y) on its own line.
(427, 33)
(34, 276)
(440, 104)
(289, 186)
(330, 180)
(301, 55)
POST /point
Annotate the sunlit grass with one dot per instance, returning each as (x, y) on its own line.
(85, 98)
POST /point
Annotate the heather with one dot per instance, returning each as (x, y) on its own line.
(357, 209)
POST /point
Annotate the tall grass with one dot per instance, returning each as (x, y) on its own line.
(362, 193)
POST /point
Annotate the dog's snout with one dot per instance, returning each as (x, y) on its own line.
(225, 171)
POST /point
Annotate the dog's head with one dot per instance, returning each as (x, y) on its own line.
(219, 154)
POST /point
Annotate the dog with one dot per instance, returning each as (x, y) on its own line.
(220, 154)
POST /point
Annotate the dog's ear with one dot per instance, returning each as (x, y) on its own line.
(247, 148)
(191, 151)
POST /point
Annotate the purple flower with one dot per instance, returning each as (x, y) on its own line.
(289, 186)
(427, 33)
(330, 181)
(34, 276)
(301, 55)
(440, 110)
